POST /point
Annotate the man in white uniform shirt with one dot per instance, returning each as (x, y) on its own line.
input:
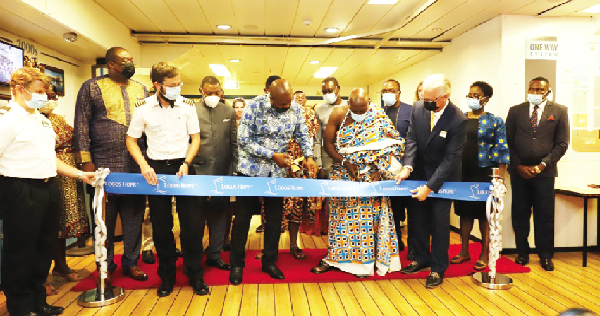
(169, 121)
(331, 95)
(30, 195)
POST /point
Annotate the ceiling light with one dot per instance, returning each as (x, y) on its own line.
(70, 37)
(235, 60)
(325, 72)
(314, 62)
(437, 29)
(231, 84)
(223, 26)
(220, 70)
(592, 9)
(331, 30)
(383, 1)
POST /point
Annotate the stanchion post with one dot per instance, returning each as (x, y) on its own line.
(492, 280)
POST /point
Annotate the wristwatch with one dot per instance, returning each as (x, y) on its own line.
(79, 175)
(189, 164)
(537, 169)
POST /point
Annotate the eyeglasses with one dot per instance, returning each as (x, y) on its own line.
(427, 100)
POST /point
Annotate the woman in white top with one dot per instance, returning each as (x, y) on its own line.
(30, 196)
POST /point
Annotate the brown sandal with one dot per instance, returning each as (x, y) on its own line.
(458, 259)
(297, 253)
(50, 290)
(71, 276)
(321, 268)
(480, 265)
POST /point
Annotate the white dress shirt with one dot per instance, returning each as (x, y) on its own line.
(27, 143)
(167, 128)
(539, 112)
(437, 115)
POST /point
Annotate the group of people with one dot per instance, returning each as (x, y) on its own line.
(119, 126)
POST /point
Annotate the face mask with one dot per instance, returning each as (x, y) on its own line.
(171, 93)
(128, 70)
(49, 107)
(38, 100)
(430, 105)
(330, 98)
(281, 110)
(389, 99)
(535, 99)
(474, 104)
(212, 101)
(358, 117)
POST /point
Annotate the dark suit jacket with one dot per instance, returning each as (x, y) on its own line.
(435, 158)
(218, 140)
(551, 140)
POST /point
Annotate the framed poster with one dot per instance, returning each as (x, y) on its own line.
(57, 79)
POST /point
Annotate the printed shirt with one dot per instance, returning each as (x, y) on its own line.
(263, 132)
(491, 141)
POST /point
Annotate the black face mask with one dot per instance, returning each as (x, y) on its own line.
(430, 105)
(281, 110)
(128, 70)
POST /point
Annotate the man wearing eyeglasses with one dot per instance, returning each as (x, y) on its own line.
(434, 144)
(103, 112)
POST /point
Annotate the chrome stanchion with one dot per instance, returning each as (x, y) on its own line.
(492, 280)
(102, 295)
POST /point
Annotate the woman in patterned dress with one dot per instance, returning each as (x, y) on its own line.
(486, 148)
(362, 236)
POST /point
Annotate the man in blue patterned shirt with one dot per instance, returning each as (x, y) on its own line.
(263, 136)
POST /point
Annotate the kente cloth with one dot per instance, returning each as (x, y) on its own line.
(102, 114)
(362, 236)
(73, 220)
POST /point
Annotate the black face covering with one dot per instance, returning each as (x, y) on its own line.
(281, 110)
(430, 105)
(128, 70)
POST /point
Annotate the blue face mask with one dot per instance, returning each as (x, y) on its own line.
(535, 99)
(37, 101)
(474, 104)
(172, 93)
(358, 117)
(389, 99)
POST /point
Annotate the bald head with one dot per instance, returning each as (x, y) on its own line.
(358, 101)
(281, 94)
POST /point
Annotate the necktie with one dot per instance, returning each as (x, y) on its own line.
(432, 121)
(533, 119)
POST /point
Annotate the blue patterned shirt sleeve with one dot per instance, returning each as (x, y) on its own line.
(247, 133)
(491, 139)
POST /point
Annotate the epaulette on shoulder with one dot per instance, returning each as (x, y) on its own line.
(4, 109)
(140, 102)
(188, 101)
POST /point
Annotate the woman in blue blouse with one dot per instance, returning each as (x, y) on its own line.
(486, 148)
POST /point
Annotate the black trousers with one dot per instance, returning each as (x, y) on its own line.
(245, 208)
(431, 219)
(191, 223)
(400, 205)
(30, 211)
(131, 208)
(535, 194)
(215, 210)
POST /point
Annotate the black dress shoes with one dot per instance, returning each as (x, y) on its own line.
(48, 309)
(31, 314)
(522, 260)
(200, 288)
(148, 257)
(235, 276)
(547, 264)
(218, 263)
(273, 271)
(434, 280)
(165, 289)
(414, 267)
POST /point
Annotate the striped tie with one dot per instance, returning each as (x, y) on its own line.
(534, 119)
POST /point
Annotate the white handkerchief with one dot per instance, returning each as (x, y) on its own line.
(443, 134)
(226, 120)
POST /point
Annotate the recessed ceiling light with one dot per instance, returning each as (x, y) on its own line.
(325, 72)
(592, 9)
(235, 60)
(437, 29)
(314, 62)
(220, 70)
(331, 30)
(224, 26)
(383, 1)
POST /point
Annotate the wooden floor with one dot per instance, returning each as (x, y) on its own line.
(535, 293)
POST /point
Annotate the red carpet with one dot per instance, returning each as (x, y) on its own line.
(296, 271)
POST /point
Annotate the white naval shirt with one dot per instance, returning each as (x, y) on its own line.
(168, 129)
(27, 143)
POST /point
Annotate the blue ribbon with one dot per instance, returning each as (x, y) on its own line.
(169, 185)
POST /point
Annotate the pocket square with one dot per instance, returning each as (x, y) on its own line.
(443, 134)
(551, 118)
(226, 120)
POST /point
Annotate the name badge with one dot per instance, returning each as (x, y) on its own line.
(443, 134)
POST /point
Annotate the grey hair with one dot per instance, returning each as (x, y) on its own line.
(437, 81)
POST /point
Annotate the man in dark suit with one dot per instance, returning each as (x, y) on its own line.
(537, 133)
(434, 144)
(217, 156)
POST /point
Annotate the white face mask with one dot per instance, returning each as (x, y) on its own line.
(212, 101)
(171, 93)
(535, 99)
(358, 117)
(389, 99)
(330, 98)
(37, 101)
(474, 104)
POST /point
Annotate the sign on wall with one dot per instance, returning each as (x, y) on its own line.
(547, 50)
